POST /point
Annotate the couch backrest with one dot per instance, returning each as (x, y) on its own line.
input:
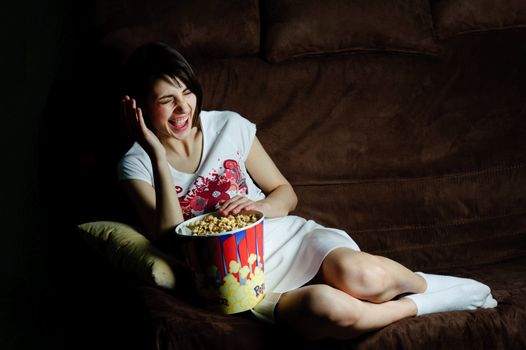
(401, 122)
(196, 28)
(287, 29)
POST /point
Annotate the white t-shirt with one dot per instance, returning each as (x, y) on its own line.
(227, 138)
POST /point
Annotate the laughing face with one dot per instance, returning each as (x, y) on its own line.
(172, 107)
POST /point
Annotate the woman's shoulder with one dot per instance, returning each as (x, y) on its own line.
(229, 127)
(135, 164)
(135, 155)
(135, 151)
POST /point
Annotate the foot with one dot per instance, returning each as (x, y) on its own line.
(437, 283)
(490, 302)
(468, 296)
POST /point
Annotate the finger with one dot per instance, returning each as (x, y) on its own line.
(238, 209)
(224, 209)
(131, 118)
(140, 118)
(251, 206)
(228, 202)
(243, 206)
(134, 115)
(128, 108)
(236, 206)
(125, 109)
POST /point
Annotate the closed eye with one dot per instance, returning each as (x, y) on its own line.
(166, 100)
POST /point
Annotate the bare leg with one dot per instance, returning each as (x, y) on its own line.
(368, 277)
(321, 311)
(377, 279)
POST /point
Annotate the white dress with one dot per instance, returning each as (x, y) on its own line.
(294, 247)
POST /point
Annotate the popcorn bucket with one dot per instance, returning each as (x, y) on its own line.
(227, 268)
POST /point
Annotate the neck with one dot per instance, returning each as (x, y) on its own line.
(181, 148)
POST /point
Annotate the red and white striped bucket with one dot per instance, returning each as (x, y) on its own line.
(227, 268)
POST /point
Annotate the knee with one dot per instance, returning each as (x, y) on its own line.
(373, 278)
(365, 276)
(325, 305)
(319, 311)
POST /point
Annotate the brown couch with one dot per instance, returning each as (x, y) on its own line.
(401, 122)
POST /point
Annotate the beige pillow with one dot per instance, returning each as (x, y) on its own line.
(128, 250)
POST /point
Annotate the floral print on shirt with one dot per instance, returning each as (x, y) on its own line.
(206, 192)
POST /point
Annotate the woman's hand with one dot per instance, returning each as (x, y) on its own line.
(238, 203)
(134, 120)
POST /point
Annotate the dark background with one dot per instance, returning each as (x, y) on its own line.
(34, 39)
(59, 149)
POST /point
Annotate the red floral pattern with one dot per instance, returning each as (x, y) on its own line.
(206, 192)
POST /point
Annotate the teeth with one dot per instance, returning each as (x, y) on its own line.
(179, 121)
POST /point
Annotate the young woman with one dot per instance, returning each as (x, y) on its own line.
(187, 161)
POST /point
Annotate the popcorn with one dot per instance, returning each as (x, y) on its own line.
(212, 224)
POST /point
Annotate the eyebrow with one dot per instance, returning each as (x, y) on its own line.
(170, 95)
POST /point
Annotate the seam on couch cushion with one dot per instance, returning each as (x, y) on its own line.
(454, 17)
(519, 27)
(208, 27)
(295, 28)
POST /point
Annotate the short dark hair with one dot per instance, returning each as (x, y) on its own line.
(153, 61)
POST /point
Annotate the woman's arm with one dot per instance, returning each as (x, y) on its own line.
(280, 199)
(158, 207)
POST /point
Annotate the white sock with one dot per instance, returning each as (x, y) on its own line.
(490, 302)
(436, 283)
(468, 296)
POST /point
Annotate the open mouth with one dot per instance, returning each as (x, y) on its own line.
(179, 123)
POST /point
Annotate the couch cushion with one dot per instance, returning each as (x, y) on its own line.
(209, 28)
(454, 17)
(296, 28)
(179, 325)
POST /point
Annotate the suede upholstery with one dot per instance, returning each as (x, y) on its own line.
(298, 28)
(413, 144)
(200, 31)
(455, 17)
